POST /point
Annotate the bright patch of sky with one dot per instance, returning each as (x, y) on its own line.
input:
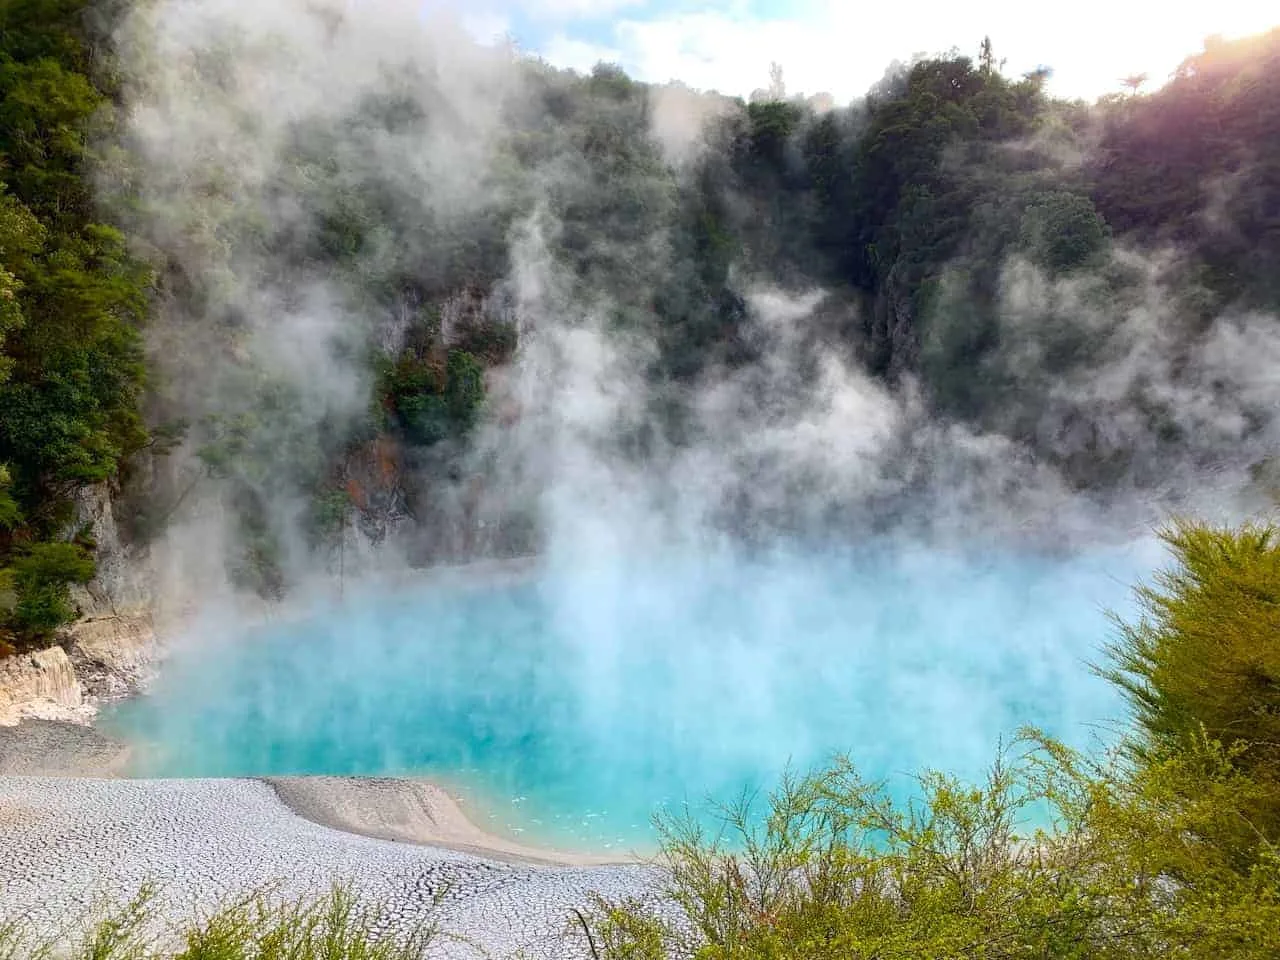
(842, 47)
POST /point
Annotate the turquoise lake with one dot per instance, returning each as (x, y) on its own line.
(572, 704)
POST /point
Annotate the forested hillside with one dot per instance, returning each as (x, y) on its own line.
(1095, 284)
(72, 304)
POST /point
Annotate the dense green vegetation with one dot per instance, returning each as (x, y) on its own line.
(1204, 666)
(1168, 848)
(72, 301)
(996, 247)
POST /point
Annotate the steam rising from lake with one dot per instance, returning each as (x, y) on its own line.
(576, 703)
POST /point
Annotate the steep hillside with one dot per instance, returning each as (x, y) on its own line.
(267, 290)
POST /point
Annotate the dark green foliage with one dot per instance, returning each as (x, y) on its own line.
(430, 407)
(71, 298)
(1062, 231)
(330, 513)
(21, 237)
(414, 388)
(10, 512)
(490, 342)
(42, 574)
(912, 209)
(1196, 163)
(464, 388)
(909, 209)
(433, 393)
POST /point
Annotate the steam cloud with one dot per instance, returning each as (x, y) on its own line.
(248, 121)
(224, 97)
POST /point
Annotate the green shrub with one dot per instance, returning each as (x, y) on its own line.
(1063, 231)
(41, 578)
(334, 927)
(433, 404)
(1204, 660)
(1054, 856)
(330, 512)
(10, 513)
(464, 389)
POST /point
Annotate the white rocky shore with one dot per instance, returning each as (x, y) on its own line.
(67, 843)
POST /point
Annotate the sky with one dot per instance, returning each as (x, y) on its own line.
(842, 47)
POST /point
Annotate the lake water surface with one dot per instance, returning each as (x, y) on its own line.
(575, 703)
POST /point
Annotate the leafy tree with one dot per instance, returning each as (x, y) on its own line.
(21, 236)
(1133, 83)
(10, 513)
(464, 388)
(986, 56)
(330, 514)
(1063, 231)
(1188, 164)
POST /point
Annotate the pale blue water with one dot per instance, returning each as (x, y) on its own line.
(578, 702)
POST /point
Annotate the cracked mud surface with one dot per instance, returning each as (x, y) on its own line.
(65, 842)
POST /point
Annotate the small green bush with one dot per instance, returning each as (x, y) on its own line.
(1054, 856)
(432, 404)
(464, 390)
(1063, 231)
(10, 513)
(41, 578)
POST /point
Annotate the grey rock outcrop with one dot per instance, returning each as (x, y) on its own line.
(106, 655)
(120, 583)
(112, 655)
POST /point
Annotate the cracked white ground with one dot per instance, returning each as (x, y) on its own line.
(66, 842)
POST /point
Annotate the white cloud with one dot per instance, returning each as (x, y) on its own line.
(573, 9)
(843, 47)
(580, 55)
(486, 26)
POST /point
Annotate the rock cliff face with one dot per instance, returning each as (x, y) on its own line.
(112, 656)
(98, 660)
(118, 585)
(41, 685)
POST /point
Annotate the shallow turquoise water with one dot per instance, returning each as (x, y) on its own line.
(578, 702)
